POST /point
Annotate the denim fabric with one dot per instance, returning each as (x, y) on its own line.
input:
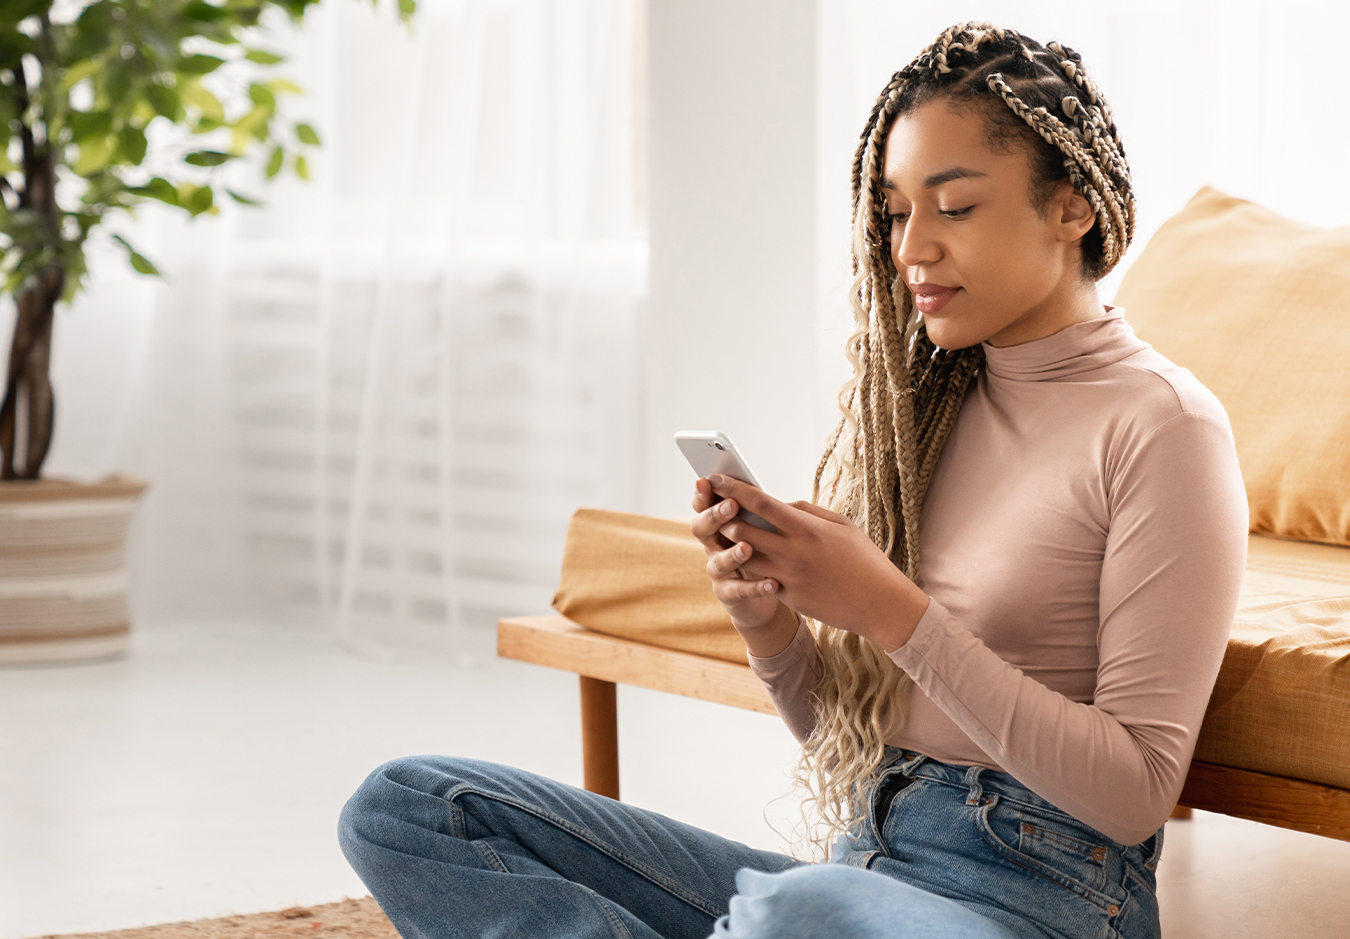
(454, 847)
(982, 839)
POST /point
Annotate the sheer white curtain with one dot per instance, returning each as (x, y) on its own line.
(376, 402)
(1242, 95)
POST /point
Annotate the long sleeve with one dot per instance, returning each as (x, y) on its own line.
(1168, 589)
(789, 677)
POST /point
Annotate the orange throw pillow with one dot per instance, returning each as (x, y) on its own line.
(1258, 308)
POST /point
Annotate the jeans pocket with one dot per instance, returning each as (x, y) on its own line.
(1059, 851)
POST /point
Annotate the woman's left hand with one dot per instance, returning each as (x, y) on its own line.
(824, 566)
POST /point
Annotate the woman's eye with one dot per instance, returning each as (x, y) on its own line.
(896, 218)
(957, 213)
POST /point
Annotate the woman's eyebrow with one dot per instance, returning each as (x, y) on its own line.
(937, 179)
(946, 176)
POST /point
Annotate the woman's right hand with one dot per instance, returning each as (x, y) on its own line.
(741, 594)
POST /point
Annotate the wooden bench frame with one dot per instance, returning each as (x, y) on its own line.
(602, 662)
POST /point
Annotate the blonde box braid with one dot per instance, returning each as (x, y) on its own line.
(902, 401)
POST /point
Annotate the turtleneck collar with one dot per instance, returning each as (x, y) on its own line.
(1081, 347)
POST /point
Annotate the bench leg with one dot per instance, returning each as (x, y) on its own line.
(599, 737)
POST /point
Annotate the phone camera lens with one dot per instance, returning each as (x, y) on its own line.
(719, 446)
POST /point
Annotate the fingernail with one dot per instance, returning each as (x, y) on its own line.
(768, 586)
(715, 480)
(724, 508)
(741, 552)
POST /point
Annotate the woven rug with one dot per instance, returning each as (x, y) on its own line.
(348, 919)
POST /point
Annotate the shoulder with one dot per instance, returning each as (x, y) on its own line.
(1159, 392)
(1170, 430)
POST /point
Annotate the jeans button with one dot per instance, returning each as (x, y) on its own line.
(1112, 910)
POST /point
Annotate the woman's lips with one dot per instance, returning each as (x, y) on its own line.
(930, 298)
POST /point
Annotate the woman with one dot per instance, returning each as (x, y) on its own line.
(993, 737)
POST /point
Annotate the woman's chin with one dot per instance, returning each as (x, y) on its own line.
(948, 334)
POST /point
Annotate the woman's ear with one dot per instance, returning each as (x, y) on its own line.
(1073, 213)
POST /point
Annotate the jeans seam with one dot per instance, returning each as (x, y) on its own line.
(458, 827)
(491, 857)
(879, 819)
(670, 886)
(619, 927)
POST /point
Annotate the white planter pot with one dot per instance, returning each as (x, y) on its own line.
(63, 574)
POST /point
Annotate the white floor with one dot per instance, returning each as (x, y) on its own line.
(203, 775)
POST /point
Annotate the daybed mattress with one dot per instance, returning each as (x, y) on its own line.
(1282, 701)
(1281, 704)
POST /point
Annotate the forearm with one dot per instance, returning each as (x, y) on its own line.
(791, 675)
(773, 637)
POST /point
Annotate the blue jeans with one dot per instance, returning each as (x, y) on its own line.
(454, 847)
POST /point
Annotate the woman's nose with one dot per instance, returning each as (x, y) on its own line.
(914, 243)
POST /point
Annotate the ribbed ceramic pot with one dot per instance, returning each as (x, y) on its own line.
(63, 571)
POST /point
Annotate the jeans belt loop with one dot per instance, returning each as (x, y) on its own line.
(973, 781)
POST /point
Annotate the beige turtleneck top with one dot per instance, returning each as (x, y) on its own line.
(1082, 542)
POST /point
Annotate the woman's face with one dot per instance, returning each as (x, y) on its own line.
(983, 263)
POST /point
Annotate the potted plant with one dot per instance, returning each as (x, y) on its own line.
(114, 103)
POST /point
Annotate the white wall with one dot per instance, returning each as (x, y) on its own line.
(729, 335)
(1243, 95)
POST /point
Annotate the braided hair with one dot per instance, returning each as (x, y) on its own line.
(905, 393)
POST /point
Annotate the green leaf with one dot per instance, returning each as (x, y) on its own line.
(199, 64)
(138, 261)
(142, 264)
(284, 86)
(201, 200)
(207, 158)
(307, 134)
(203, 12)
(88, 124)
(118, 81)
(242, 200)
(131, 144)
(158, 188)
(263, 58)
(80, 71)
(262, 96)
(195, 95)
(274, 161)
(302, 167)
(196, 199)
(406, 8)
(165, 101)
(254, 123)
(94, 154)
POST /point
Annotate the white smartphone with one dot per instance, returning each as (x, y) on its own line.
(711, 451)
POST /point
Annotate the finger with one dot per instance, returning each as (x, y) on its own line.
(819, 511)
(706, 524)
(738, 529)
(730, 590)
(728, 562)
(754, 500)
(703, 495)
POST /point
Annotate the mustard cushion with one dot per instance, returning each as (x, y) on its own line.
(1258, 308)
(1281, 703)
(643, 578)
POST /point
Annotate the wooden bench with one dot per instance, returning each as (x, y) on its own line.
(602, 662)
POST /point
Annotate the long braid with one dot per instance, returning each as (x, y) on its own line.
(903, 399)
